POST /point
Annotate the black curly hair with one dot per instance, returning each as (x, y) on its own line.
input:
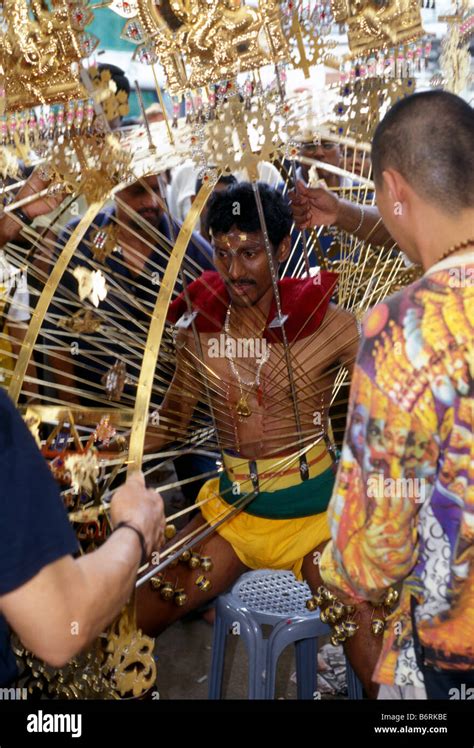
(223, 212)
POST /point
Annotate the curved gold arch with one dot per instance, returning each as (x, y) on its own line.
(155, 331)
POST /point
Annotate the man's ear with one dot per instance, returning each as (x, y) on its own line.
(284, 248)
(395, 185)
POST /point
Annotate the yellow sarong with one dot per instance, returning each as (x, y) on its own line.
(262, 543)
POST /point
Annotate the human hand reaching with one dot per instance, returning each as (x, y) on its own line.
(314, 206)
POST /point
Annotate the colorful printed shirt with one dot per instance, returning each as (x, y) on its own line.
(402, 509)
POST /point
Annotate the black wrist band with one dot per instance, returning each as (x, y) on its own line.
(141, 538)
(22, 216)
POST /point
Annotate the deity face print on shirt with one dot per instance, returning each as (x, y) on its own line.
(357, 430)
(377, 454)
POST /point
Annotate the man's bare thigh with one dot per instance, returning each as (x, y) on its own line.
(154, 614)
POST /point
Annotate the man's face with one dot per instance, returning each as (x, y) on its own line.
(357, 161)
(142, 198)
(241, 261)
(324, 151)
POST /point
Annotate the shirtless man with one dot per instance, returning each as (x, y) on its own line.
(263, 450)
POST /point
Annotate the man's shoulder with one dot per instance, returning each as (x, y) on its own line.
(102, 219)
(208, 297)
(393, 307)
(305, 302)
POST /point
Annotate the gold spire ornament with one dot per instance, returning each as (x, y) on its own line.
(115, 103)
(372, 26)
(38, 50)
(205, 41)
(307, 48)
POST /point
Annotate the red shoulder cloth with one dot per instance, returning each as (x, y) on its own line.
(304, 300)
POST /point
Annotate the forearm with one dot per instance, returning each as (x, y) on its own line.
(372, 228)
(105, 581)
(77, 599)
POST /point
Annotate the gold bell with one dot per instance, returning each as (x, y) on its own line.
(311, 604)
(321, 591)
(207, 563)
(180, 598)
(377, 626)
(318, 599)
(350, 628)
(203, 583)
(156, 581)
(194, 561)
(330, 612)
(339, 630)
(170, 532)
(185, 556)
(334, 640)
(174, 563)
(391, 598)
(339, 609)
(329, 596)
(167, 591)
(324, 616)
(350, 609)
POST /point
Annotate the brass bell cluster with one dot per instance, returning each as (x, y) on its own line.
(169, 591)
(341, 617)
(195, 560)
(334, 612)
(172, 592)
(389, 602)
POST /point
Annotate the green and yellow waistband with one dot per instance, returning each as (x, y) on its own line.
(282, 494)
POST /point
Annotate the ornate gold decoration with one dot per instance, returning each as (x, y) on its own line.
(91, 284)
(114, 380)
(84, 471)
(81, 321)
(375, 24)
(130, 664)
(104, 431)
(105, 241)
(92, 165)
(455, 58)
(120, 665)
(307, 48)
(358, 110)
(241, 138)
(115, 103)
(217, 38)
(37, 51)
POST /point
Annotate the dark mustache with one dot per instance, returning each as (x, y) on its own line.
(242, 282)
